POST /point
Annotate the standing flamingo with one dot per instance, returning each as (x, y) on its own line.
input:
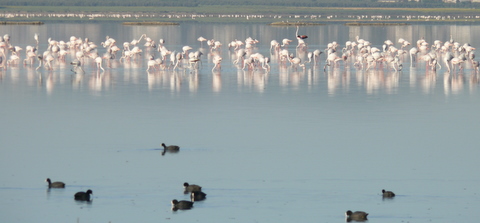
(265, 63)
(201, 39)
(30, 57)
(310, 57)
(151, 63)
(161, 42)
(178, 59)
(413, 55)
(135, 41)
(6, 37)
(274, 45)
(296, 62)
(316, 55)
(113, 50)
(185, 51)
(216, 45)
(475, 65)
(332, 59)
(300, 38)
(195, 59)
(447, 58)
(216, 60)
(286, 42)
(36, 38)
(248, 62)
(40, 59)
(48, 61)
(13, 59)
(240, 56)
(98, 61)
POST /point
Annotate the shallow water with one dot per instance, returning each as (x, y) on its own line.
(282, 146)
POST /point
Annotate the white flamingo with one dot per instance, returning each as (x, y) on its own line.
(286, 42)
(35, 36)
(216, 61)
(413, 55)
(274, 45)
(98, 61)
(134, 42)
(151, 63)
(201, 39)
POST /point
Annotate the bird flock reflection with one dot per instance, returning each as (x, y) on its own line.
(290, 60)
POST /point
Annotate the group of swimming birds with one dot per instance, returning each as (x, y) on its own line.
(196, 194)
(195, 191)
(79, 196)
(362, 215)
(245, 54)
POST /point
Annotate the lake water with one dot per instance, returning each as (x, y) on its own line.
(282, 146)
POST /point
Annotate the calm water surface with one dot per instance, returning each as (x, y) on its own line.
(282, 146)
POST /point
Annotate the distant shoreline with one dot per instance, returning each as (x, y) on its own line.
(229, 14)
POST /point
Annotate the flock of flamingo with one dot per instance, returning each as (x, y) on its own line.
(194, 16)
(360, 53)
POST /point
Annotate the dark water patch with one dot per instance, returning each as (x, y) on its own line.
(151, 23)
(375, 24)
(21, 23)
(25, 188)
(161, 149)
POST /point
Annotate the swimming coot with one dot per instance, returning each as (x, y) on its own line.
(181, 205)
(83, 196)
(356, 216)
(387, 193)
(197, 196)
(171, 147)
(189, 188)
(56, 184)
